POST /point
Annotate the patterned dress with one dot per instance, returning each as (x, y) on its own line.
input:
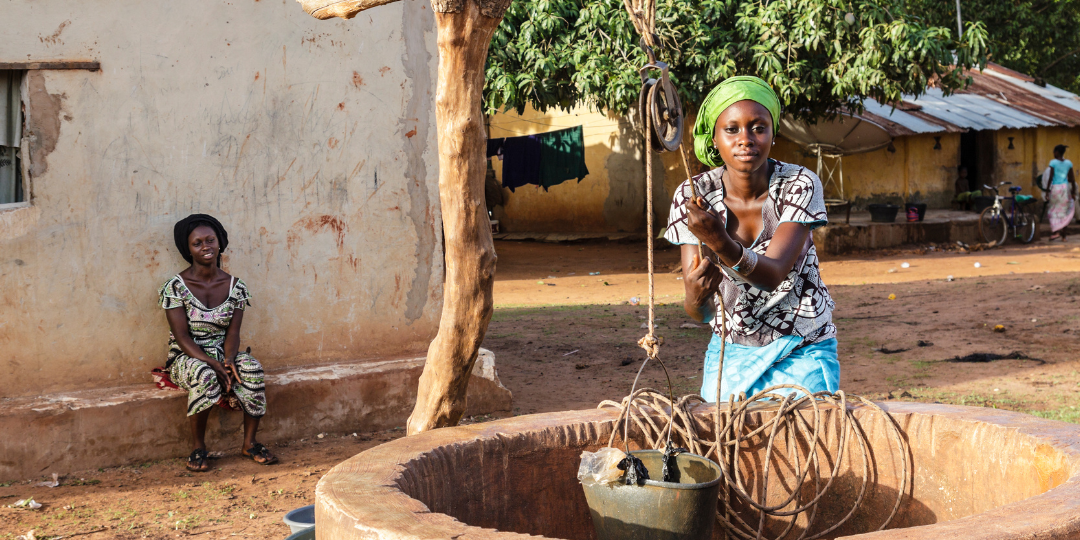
(208, 327)
(783, 336)
(1061, 204)
(800, 305)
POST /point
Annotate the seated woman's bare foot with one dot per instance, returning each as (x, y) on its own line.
(260, 454)
(197, 461)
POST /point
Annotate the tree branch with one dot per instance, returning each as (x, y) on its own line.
(1055, 62)
(346, 9)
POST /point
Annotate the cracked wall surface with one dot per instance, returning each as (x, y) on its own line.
(312, 141)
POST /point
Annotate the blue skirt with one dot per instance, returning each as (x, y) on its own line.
(813, 366)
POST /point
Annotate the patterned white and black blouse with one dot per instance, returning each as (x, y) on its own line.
(208, 326)
(800, 305)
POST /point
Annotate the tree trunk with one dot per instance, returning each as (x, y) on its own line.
(464, 28)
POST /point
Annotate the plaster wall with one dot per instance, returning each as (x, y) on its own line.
(313, 141)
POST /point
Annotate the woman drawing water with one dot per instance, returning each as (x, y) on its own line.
(754, 216)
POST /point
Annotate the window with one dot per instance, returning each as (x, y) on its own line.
(12, 189)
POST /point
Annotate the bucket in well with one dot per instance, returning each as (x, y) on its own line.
(684, 510)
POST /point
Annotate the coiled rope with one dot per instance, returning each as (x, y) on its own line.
(738, 428)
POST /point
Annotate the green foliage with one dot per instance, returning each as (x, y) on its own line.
(1040, 38)
(819, 55)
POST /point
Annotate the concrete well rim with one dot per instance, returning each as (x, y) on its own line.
(361, 494)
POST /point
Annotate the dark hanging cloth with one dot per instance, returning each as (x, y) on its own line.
(521, 161)
(562, 157)
(495, 148)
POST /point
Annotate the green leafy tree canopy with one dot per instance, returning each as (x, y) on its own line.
(821, 56)
(1040, 38)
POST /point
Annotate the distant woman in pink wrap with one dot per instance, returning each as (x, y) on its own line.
(1062, 185)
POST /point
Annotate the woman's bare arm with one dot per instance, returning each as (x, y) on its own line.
(232, 335)
(232, 342)
(701, 280)
(772, 268)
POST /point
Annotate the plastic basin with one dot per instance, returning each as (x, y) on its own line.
(303, 534)
(300, 519)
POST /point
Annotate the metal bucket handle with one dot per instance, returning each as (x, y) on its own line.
(624, 414)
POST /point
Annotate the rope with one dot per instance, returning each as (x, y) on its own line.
(643, 17)
(655, 416)
(651, 343)
(739, 428)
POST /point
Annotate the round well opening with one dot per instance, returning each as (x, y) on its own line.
(519, 475)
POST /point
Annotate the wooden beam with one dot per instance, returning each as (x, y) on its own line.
(346, 9)
(56, 64)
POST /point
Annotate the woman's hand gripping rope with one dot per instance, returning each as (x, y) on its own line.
(706, 224)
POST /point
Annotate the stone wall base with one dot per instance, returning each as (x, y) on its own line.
(62, 433)
(940, 226)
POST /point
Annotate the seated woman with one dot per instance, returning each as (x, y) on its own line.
(754, 214)
(965, 192)
(204, 345)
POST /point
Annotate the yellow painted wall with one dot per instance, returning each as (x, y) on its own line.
(1032, 151)
(1015, 164)
(611, 198)
(914, 172)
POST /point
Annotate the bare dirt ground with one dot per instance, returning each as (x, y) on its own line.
(569, 345)
(570, 342)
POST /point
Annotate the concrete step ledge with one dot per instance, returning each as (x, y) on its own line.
(74, 431)
(940, 226)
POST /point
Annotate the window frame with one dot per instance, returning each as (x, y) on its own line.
(23, 155)
(20, 156)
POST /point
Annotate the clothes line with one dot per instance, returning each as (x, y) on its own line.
(592, 123)
(545, 159)
(512, 133)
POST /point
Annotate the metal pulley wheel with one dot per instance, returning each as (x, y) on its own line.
(666, 111)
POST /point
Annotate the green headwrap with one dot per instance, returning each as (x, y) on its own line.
(732, 90)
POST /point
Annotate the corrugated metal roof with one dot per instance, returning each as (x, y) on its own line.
(1049, 92)
(998, 98)
(909, 122)
(973, 111)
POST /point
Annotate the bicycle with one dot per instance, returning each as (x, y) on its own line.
(995, 221)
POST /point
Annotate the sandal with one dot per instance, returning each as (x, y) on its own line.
(258, 450)
(196, 462)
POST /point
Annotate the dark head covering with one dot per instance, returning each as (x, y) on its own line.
(182, 231)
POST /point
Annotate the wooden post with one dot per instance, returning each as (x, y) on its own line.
(465, 28)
